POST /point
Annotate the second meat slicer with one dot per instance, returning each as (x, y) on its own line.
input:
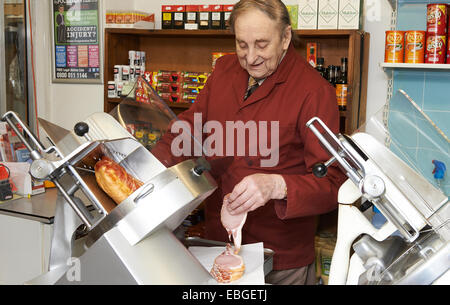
(413, 245)
(129, 243)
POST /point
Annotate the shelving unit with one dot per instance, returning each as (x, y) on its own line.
(181, 50)
(415, 66)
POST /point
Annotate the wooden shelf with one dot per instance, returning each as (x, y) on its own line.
(190, 50)
(180, 105)
(186, 33)
(385, 65)
(171, 105)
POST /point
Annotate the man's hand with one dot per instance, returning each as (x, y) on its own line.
(254, 191)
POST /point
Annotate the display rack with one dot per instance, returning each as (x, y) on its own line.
(415, 66)
(182, 50)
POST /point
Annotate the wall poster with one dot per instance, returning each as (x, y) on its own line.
(77, 41)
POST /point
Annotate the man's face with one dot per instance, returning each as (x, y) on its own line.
(61, 9)
(259, 43)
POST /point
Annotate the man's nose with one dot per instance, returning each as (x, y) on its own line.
(251, 56)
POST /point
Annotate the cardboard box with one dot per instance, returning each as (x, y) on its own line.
(216, 16)
(204, 18)
(349, 14)
(191, 17)
(226, 15)
(179, 16)
(166, 16)
(293, 13)
(328, 14)
(307, 14)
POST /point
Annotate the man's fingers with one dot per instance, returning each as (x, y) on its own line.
(237, 191)
(241, 199)
(245, 207)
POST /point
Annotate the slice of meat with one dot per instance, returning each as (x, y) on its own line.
(228, 267)
(114, 180)
(233, 224)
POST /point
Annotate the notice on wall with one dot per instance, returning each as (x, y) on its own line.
(76, 36)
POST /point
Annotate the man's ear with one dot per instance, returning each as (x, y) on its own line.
(287, 36)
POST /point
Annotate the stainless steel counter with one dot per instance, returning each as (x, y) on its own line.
(38, 207)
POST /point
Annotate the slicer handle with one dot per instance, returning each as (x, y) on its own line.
(320, 169)
(81, 129)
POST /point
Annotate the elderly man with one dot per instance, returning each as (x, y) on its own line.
(268, 81)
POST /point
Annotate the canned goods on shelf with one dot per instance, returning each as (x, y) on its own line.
(414, 47)
(394, 47)
(112, 92)
(436, 49)
(437, 18)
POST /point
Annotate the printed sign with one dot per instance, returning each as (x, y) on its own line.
(76, 36)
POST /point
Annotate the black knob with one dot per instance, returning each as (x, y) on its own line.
(81, 129)
(202, 165)
(320, 170)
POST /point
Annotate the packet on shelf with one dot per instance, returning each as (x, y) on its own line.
(129, 19)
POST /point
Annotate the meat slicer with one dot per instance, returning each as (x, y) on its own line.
(129, 243)
(412, 246)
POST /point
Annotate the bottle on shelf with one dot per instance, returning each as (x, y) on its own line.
(331, 75)
(342, 86)
(320, 68)
(312, 54)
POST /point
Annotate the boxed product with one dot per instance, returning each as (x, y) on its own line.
(171, 97)
(328, 14)
(191, 17)
(216, 16)
(173, 16)
(195, 77)
(189, 98)
(349, 14)
(168, 87)
(168, 76)
(204, 18)
(167, 16)
(226, 15)
(190, 88)
(307, 14)
(293, 13)
(129, 19)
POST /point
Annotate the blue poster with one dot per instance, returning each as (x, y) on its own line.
(60, 56)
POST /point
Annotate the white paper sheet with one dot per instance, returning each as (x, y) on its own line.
(252, 254)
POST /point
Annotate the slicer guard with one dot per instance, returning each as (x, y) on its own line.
(377, 163)
(51, 164)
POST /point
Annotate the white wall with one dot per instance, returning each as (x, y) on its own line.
(377, 20)
(66, 104)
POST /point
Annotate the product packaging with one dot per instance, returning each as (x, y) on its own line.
(191, 17)
(436, 48)
(437, 19)
(216, 16)
(414, 47)
(204, 19)
(394, 47)
(226, 15)
(307, 14)
(293, 13)
(349, 14)
(328, 14)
